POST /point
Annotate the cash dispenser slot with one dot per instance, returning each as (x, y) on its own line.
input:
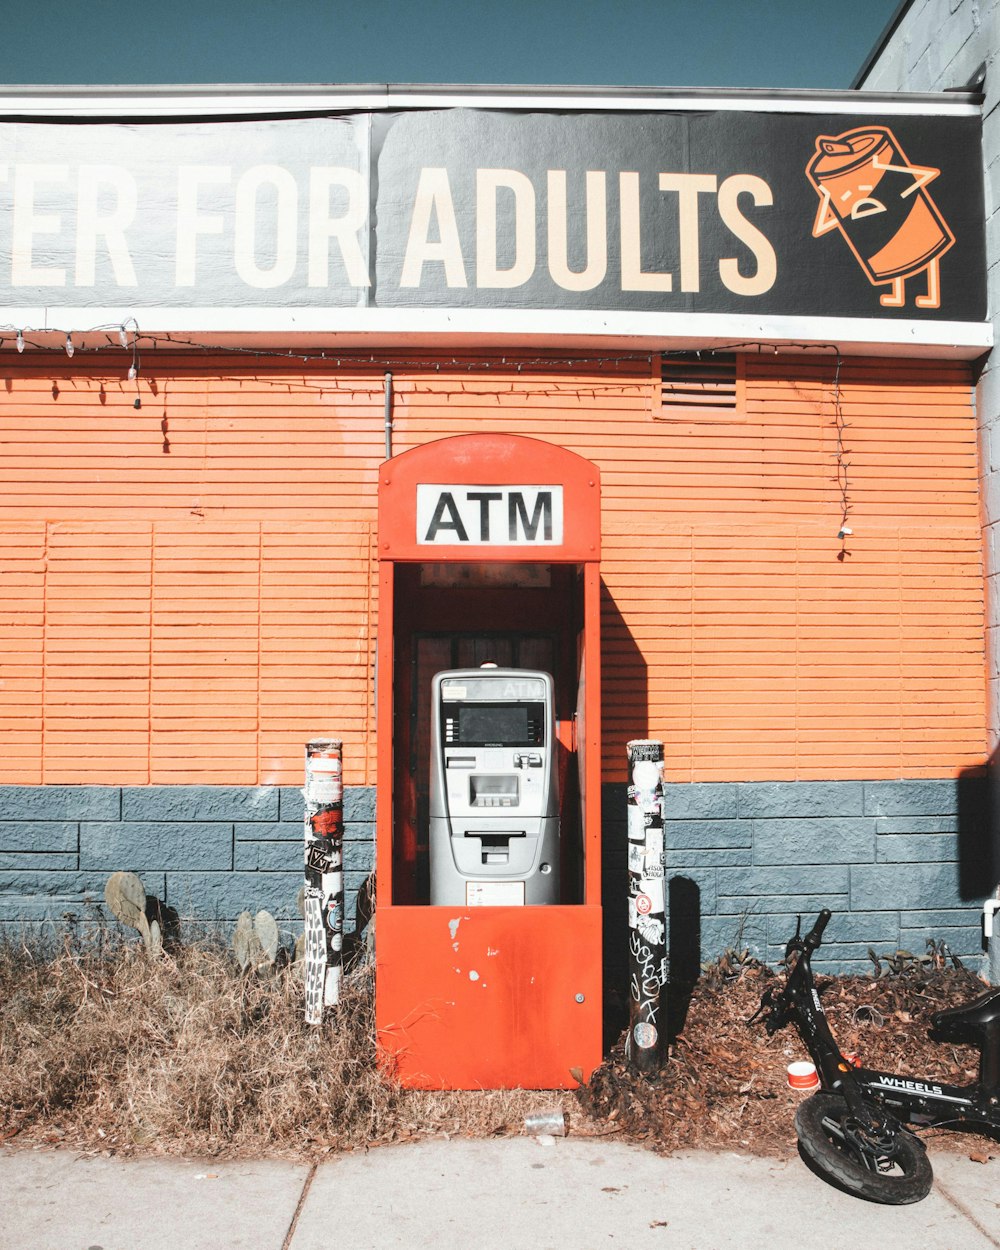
(495, 847)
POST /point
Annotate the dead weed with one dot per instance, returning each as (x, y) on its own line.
(725, 1085)
(111, 1050)
(108, 1050)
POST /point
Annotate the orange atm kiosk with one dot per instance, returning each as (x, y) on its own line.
(488, 671)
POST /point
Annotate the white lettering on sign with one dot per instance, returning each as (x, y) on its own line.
(490, 516)
(434, 214)
(259, 225)
(191, 221)
(27, 223)
(433, 202)
(95, 218)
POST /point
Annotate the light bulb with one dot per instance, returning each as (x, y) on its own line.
(20, 341)
(70, 349)
(133, 373)
(122, 336)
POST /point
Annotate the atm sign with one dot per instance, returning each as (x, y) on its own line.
(490, 516)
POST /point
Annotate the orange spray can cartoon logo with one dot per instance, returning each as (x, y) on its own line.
(878, 200)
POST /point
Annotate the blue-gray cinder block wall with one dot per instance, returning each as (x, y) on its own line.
(209, 852)
(898, 862)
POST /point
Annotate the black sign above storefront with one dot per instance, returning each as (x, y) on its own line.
(774, 214)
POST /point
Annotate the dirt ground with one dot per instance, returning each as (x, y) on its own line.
(725, 1085)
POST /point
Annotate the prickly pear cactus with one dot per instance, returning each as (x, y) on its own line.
(266, 929)
(244, 940)
(126, 898)
(255, 941)
(152, 936)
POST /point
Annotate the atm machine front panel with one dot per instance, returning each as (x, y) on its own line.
(494, 804)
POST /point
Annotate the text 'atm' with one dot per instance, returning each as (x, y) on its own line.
(494, 801)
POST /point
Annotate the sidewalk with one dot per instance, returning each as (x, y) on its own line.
(518, 1194)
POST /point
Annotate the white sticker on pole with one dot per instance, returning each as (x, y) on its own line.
(324, 791)
(315, 958)
(636, 824)
(646, 776)
(325, 764)
(652, 889)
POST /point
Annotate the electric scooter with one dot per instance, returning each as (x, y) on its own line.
(857, 1128)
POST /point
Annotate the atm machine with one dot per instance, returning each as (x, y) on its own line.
(494, 801)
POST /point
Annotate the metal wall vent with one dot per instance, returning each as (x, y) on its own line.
(700, 382)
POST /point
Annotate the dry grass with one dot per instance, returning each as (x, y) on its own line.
(107, 1049)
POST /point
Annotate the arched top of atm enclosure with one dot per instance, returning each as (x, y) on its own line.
(495, 497)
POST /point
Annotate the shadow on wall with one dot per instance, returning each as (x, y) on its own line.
(624, 686)
(624, 716)
(979, 831)
(683, 950)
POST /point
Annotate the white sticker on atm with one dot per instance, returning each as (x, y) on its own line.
(494, 893)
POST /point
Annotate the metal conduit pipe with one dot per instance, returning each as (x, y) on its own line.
(990, 932)
(388, 416)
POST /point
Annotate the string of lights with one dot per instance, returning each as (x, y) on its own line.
(843, 464)
(127, 336)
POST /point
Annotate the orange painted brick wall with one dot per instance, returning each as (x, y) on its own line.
(187, 591)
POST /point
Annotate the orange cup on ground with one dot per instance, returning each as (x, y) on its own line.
(803, 1076)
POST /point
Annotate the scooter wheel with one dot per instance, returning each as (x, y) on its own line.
(881, 1162)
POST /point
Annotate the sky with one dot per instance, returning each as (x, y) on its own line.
(660, 43)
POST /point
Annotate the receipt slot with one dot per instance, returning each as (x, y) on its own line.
(494, 800)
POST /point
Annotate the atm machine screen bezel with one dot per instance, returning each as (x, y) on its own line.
(528, 731)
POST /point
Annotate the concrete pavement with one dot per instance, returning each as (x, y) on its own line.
(519, 1194)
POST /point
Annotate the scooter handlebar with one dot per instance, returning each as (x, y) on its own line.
(814, 937)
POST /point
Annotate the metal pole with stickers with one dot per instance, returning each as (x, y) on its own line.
(646, 906)
(324, 871)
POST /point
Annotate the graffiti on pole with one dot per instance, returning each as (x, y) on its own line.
(646, 905)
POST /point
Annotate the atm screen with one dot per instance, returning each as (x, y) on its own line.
(498, 724)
